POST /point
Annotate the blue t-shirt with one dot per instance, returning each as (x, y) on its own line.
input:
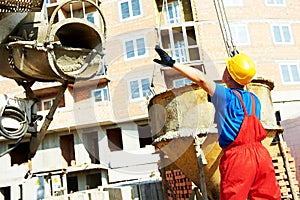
(229, 112)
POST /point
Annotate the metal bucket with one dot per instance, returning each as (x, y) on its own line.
(262, 88)
(181, 112)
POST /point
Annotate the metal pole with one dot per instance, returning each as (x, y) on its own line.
(36, 140)
(201, 171)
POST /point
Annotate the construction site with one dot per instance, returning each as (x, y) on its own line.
(87, 115)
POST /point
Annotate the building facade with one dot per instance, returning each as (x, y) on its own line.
(100, 133)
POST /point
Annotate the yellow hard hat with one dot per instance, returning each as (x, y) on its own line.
(241, 68)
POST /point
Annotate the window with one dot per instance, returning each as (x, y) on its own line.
(5, 192)
(130, 9)
(50, 1)
(47, 103)
(93, 180)
(90, 17)
(145, 135)
(181, 82)
(72, 184)
(47, 97)
(179, 51)
(233, 2)
(290, 73)
(93, 17)
(135, 48)
(282, 34)
(172, 13)
(114, 137)
(175, 11)
(101, 94)
(90, 141)
(67, 148)
(19, 154)
(181, 42)
(139, 88)
(240, 34)
(275, 2)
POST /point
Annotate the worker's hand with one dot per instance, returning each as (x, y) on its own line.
(165, 58)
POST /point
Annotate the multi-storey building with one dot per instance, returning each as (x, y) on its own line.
(100, 133)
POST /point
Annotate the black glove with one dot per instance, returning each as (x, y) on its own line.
(165, 58)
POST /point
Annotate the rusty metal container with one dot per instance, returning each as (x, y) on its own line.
(262, 88)
(178, 117)
(180, 112)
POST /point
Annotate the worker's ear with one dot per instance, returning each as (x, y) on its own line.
(226, 76)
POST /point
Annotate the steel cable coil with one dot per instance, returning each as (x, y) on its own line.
(18, 115)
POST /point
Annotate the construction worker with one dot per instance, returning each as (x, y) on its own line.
(246, 166)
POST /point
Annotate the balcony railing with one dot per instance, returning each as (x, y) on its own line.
(81, 114)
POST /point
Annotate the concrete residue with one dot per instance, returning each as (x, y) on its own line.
(70, 64)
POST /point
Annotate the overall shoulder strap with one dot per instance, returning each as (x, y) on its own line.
(242, 102)
(253, 105)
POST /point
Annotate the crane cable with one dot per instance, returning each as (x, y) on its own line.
(225, 28)
(160, 21)
(157, 43)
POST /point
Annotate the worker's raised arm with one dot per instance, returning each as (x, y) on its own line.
(191, 73)
(196, 76)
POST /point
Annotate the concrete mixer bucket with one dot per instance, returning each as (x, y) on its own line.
(67, 49)
(79, 51)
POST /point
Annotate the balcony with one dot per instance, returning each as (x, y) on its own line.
(80, 115)
(78, 107)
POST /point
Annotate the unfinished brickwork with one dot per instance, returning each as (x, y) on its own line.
(180, 185)
(282, 176)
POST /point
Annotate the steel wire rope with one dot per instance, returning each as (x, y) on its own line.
(15, 114)
(151, 87)
(225, 28)
(18, 134)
